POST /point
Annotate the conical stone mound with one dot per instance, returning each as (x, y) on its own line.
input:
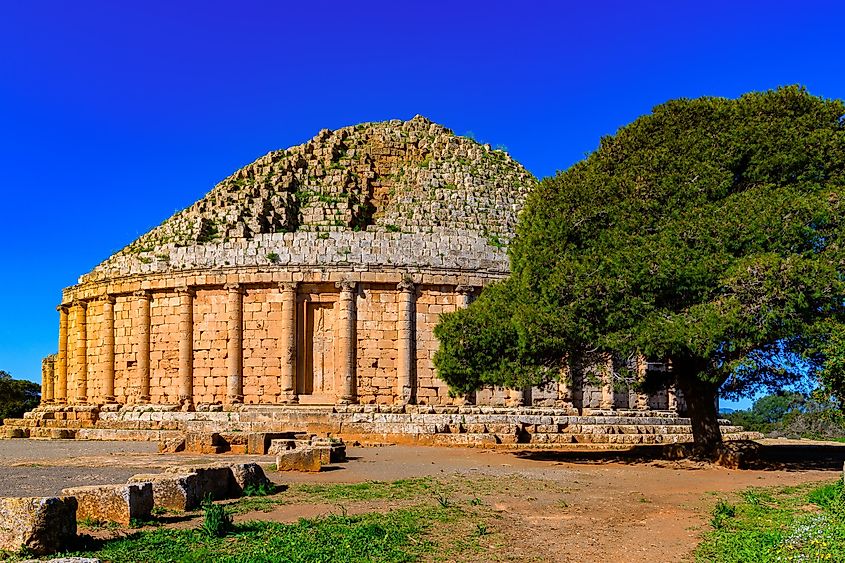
(341, 198)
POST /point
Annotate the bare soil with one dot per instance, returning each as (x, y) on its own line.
(542, 506)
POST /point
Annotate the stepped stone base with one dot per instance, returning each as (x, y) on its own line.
(250, 429)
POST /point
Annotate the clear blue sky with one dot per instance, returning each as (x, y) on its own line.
(116, 114)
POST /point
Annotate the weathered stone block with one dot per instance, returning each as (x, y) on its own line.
(246, 475)
(300, 459)
(42, 525)
(171, 446)
(174, 492)
(113, 503)
(213, 480)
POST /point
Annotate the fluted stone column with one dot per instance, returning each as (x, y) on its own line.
(347, 342)
(142, 335)
(288, 343)
(60, 392)
(642, 368)
(607, 402)
(565, 387)
(81, 352)
(47, 380)
(235, 349)
(672, 398)
(108, 349)
(465, 294)
(406, 342)
(186, 348)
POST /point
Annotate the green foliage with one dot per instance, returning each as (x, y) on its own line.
(17, 396)
(216, 522)
(706, 233)
(273, 257)
(260, 490)
(794, 415)
(776, 525)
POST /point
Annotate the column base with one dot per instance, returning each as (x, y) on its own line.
(347, 401)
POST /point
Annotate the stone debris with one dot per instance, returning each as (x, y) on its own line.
(173, 492)
(41, 525)
(113, 503)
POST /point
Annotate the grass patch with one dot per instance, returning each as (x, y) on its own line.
(803, 523)
(399, 535)
(369, 490)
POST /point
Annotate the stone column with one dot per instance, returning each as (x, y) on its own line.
(566, 387)
(465, 294)
(47, 375)
(60, 391)
(607, 402)
(672, 397)
(108, 349)
(235, 349)
(142, 334)
(186, 348)
(288, 343)
(642, 368)
(346, 341)
(81, 353)
(406, 342)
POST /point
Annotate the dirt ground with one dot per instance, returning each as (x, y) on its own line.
(548, 506)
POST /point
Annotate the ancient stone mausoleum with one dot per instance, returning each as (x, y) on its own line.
(302, 291)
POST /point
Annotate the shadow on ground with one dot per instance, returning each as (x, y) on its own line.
(768, 457)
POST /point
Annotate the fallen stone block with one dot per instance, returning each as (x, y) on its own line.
(171, 446)
(113, 503)
(213, 480)
(281, 445)
(300, 459)
(173, 492)
(331, 450)
(246, 476)
(205, 443)
(42, 525)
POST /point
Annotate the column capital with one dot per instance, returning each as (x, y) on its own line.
(288, 286)
(406, 285)
(80, 303)
(465, 289)
(234, 288)
(346, 285)
(63, 307)
(107, 298)
(143, 294)
(187, 290)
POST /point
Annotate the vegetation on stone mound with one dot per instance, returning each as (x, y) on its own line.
(17, 396)
(803, 523)
(331, 181)
(707, 234)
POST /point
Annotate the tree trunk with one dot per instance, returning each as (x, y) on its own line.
(700, 398)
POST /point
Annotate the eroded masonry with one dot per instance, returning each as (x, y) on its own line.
(302, 292)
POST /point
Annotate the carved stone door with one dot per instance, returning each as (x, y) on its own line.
(315, 383)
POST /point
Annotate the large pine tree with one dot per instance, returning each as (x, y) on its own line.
(707, 233)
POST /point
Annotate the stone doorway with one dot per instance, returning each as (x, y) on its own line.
(315, 358)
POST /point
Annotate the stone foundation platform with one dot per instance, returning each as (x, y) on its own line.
(368, 424)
